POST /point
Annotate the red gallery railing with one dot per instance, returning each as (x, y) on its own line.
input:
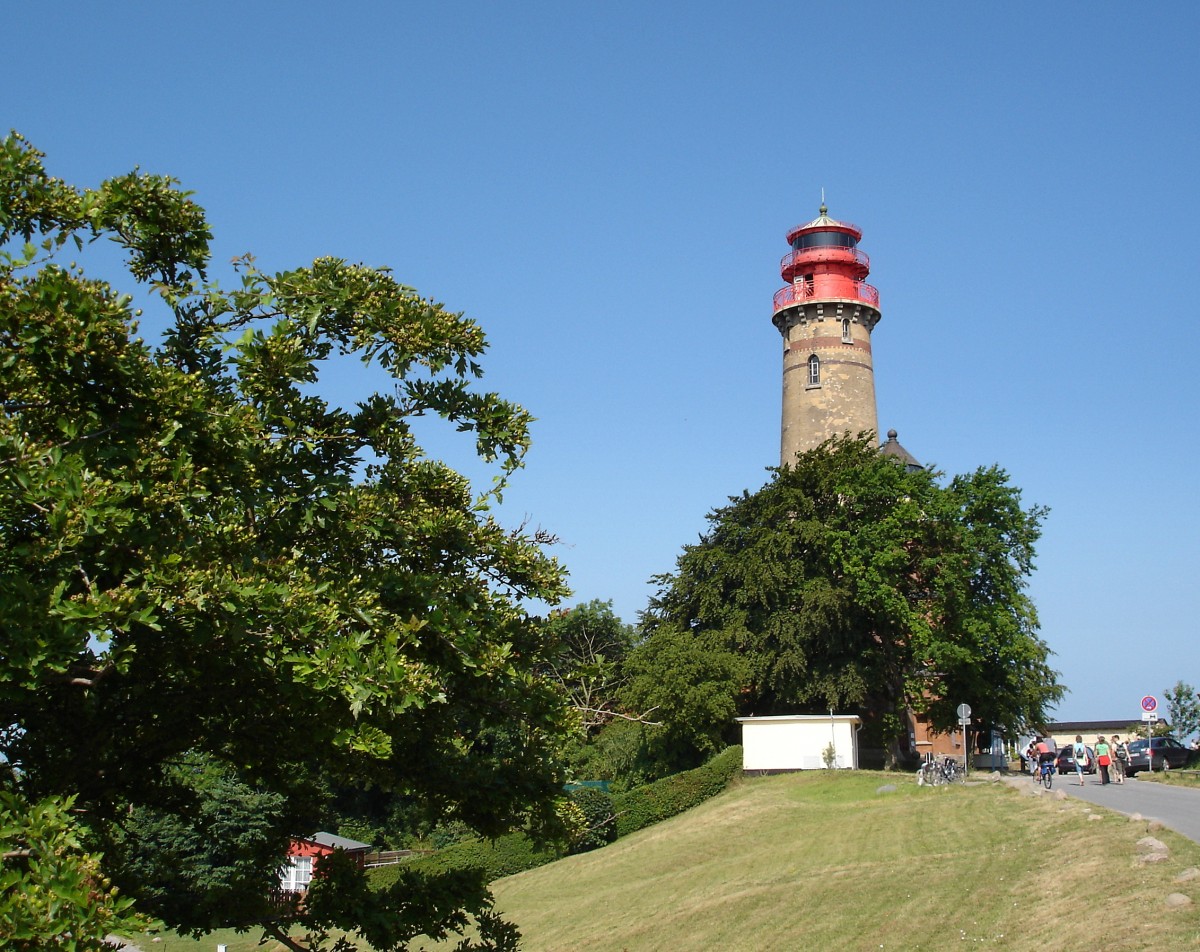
(804, 291)
(828, 253)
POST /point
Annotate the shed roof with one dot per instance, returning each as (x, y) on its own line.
(1085, 727)
(784, 718)
(333, 841)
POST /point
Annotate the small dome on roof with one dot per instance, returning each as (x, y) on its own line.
(822, 218)
(823, 224)
(893, 449)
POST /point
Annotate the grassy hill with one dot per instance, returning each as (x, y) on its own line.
(826, 861)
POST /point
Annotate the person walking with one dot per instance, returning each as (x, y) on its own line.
(1080, 754)
(1120, 756)
(1031, 757)
(1102, 759)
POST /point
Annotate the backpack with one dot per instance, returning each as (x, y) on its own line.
(1080, 755)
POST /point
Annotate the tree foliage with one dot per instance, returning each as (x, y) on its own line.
(849, 581)
(1183, 709)
(204, 858)
(691, 681)
(201, 556)
(591, 644)
(53, 892)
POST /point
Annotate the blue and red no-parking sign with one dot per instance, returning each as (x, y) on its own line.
(1149, 703)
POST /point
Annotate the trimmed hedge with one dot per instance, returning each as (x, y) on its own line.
(634, 809)
(673, 795)
(497, 858)
(600, 828)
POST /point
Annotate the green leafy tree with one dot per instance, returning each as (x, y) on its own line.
(850, 582)
(1183, 709)
(691, 683)
(54, 894)
(206, 856)
(591, 646)
(201, 556)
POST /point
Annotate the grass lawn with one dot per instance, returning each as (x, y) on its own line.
(823, 861)
(233, 941)
(1175, 778)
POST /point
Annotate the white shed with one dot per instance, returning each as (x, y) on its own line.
(798, 742)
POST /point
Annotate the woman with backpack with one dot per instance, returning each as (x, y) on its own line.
(1079, 753)
(1120, 756)
(1102, 759)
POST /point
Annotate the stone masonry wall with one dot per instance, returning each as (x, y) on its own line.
(844, 400)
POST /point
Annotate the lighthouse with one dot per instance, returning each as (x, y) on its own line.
(826, 314)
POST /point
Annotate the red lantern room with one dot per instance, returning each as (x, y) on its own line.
(825, 315)
(825, 262)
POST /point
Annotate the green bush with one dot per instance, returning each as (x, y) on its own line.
(635, 809)
(500, 857)
(673, 795)
(622, 752)
(599, 828)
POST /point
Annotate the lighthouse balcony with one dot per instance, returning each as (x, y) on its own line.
(803, 260)
(843, 288)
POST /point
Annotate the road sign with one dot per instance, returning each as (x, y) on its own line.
(964, 721)
(1149, 703)
(1149, 716)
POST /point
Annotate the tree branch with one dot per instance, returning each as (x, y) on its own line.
(638, 718)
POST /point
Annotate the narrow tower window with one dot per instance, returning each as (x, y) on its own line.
(814, 371)
(846, 338)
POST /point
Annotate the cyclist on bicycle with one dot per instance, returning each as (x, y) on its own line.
(1047, 753)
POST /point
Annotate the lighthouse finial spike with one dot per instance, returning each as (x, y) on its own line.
(823, 210)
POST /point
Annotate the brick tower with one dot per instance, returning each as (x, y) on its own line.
(826, 315)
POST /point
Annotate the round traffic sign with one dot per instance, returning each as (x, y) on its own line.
(964, 711)
(1149, 703)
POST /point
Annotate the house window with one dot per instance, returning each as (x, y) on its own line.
(846, 338)
(814, 371)
(297, 874)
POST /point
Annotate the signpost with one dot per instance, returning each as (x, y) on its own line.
(964, 719)
(1150, 716)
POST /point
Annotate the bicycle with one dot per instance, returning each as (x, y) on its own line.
(934, 773)
(1045, 772)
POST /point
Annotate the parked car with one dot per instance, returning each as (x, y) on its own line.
(1066, 760)
(1161, 753)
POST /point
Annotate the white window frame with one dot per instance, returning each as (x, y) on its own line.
(297, 874)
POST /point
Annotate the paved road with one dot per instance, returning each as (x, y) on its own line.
(1176, 807)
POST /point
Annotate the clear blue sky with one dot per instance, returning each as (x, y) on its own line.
(605, 187)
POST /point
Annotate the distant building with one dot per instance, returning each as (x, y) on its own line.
(1065, 732)
(791, 742)
(304, 858)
